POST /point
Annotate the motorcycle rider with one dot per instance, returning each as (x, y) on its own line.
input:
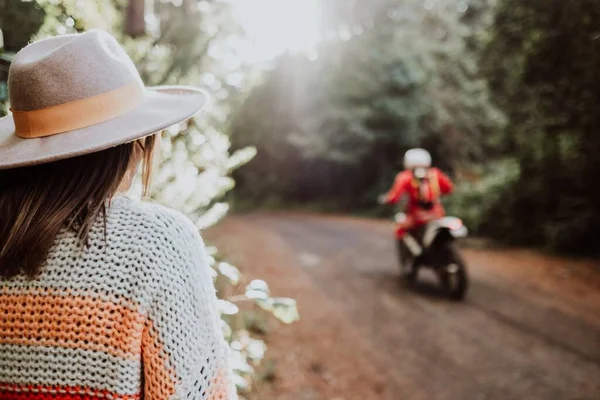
(424, 186)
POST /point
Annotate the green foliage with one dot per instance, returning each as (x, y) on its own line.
(247, 315)
(338, 125)
(478, 191)
(186, 44)
(542, 61)
(19, 21)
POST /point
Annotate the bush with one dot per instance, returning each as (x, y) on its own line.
(479, 191)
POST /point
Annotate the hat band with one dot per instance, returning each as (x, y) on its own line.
(78, 114)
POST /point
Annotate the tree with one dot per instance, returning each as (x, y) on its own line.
(18, 22)
(542, 61)
(392, 76)
(135, 24)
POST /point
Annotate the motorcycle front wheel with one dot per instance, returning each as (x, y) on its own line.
(455, 281)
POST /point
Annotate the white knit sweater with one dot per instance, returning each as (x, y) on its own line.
(131, 316)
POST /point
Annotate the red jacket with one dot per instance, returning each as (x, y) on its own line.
(437, 184)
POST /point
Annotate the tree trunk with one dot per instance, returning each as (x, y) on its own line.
(135, 25)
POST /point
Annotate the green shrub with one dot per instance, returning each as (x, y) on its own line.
(475, 198)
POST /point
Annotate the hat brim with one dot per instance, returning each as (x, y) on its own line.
(162, 107)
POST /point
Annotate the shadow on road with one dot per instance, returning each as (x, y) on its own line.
(395, 285)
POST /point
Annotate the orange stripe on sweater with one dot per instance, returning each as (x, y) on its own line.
(160, 378)
(39, 392)
(159, 375)
(219, 386)
(60, 292)
(70, 321)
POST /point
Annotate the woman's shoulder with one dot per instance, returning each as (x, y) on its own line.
(136, 251)
(164, 241)
(150, 221)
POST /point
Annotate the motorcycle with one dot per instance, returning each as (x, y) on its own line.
(434, 246)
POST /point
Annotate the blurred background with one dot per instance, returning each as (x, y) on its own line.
(314, 104)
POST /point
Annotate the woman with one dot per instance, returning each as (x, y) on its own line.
(101, 296)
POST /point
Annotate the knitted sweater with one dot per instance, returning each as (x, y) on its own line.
(130, 316)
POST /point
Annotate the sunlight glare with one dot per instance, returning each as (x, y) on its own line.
(276, 26)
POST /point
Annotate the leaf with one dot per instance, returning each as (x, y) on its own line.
(211, 260)
(257, 294)
(8, 57)
(3, 91)
(240, 383)
(238, 360)
(286, 310)
(226, 307)
(230, 272)
(212, 250)
(282, 308)
(258, 285)
(226, 329)
(255, 350)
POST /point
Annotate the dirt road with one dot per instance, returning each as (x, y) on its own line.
(529, 328)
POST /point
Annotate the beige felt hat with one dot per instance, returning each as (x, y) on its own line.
(76, 94)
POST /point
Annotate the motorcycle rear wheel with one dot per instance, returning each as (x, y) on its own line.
(408, 269)
(455, 283)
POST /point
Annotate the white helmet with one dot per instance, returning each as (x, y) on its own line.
(417, 158)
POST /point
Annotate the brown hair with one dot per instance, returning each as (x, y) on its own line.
(37, 202)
